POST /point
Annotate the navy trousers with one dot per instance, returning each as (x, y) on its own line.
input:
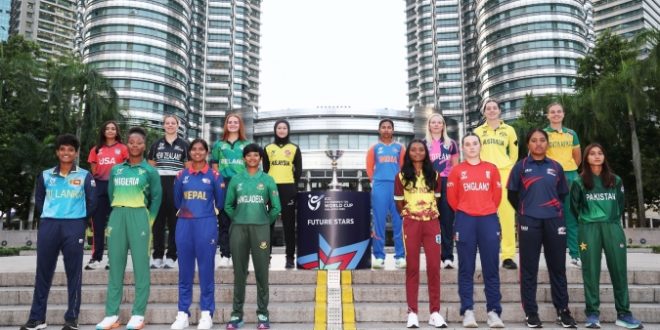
(100, 219)
(446, 223)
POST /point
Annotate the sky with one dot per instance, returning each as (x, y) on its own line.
(333, 53)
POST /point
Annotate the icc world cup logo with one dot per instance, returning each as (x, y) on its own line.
(314, 202)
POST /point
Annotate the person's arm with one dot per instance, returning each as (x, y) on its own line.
(155, 194)
(513, 145)
(512, 196)
(92, 159)
(496, 186)
(452, 189)
(402, 156)
(265, 161)
(371, 162)
(620, 198)
(577, 198)
(219, 190)
(230, 198)
(297, 166)
(398, 194)
(577, 152)
(454, 153)
(513, 185)
(111, 185)
(151, 155)
(90, 194)
(274, 198)
(562, 185)
(178, 191)
(39, 194)
(185, 157)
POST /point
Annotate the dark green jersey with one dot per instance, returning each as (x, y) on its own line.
(135, 186)
(229, 157)
(247, 198)
(599, 204)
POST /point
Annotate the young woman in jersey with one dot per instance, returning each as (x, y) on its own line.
(474, 190)
(598, 201)
(564, 147)
(135, 196)
(199, 192)
(536, 187)
(169, 155)
(283, 161)
(416, 192)
(227, 158)
(108, 152)
(253, 204)
(499, 146)
(444, 155)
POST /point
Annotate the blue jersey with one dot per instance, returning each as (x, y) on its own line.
(65, 197)
(541, 186)
(384, 161)
(199, 194)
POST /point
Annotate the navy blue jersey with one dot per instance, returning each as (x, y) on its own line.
(541, 186)
(199, 194)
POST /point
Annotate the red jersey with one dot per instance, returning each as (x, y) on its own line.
(474, 189)
(107, 157)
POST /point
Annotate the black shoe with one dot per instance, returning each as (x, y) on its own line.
(289, 263)
(509, 264)
(34, 325)
(70, 325)
(107, 267)
(533, 320)
(565, 319)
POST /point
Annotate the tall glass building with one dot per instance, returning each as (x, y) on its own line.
(5, 14)
(626, 17)
(51, 23)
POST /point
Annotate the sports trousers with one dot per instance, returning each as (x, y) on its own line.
(415, 235)
(246, 241)
(382, 204)
(100, 219)
(446, 223)
(507, 215)
(166, 217)
(287, 192)
(571, 221)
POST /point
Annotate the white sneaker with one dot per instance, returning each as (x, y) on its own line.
(448, 264)
(181, 321)
(413, 321)
(205, 321)
(224, 262)
(494, 320)
(157, 264)
(576, 262)
(468, 319)
(400, 263)
(437, 320)
(136, 322)
(378, 263)
(93, 265)
(169, 263)
(109, 322)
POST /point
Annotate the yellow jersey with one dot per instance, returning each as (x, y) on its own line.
(282, 162)
(561, 145)
(498, 146)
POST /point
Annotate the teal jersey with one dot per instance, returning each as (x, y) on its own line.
(599, 204)
(69, 196)
(135, 186)
(229, 157)
(248, 197)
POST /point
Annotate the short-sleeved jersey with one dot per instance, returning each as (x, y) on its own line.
(169, 158)
(442, 156)
(474, 189)
(229, 157)
(105, 158)
(384, 161)
(135, 186)
(540, 185)
(199, 194)
(280, 160)
(599, 204)
(498, 146)
(248, 197)
(419, 201)
(65, 197)
(561, 145)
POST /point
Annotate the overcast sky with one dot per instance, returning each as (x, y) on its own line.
(333, 53)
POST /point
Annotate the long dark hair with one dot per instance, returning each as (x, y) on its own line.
(606, 175)
(408, 170)
(101, 140)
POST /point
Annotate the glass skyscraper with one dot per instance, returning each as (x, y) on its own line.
(51, 23)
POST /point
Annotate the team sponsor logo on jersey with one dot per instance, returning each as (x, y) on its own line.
(186, 179)
(524, 228)
(551, 171)
(206, 180)
(141, 171)
(379, 150)
(239, 187)
(528, 170)
(177, 148)
(487, 174)
(464, 175)
(161, 146)
(438, 239)
(287, 153)
(561, 231)
(261, 186)
(503, 134)
(119, 171)
(314, 201)
(52, 181)
(117, 151)
(263, 245)
(272, 152)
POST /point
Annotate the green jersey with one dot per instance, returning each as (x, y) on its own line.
(229, 157)
(135, 186)
(599, 204)
(248, 197)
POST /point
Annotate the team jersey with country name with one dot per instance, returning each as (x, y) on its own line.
(498, 146)
(419, 201)
(541, 186)
(169, 158)
(283, 162)
(475, 190)
(135, 186)
(384, 161)
(199, 194)
(442, 155)
(248, 197)
(599, 204)
(106, 157)
(561, 145)
(65, 197)
(229, 157)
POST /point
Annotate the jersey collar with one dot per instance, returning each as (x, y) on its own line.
(56, 170)
(204, 169)
(550, 129)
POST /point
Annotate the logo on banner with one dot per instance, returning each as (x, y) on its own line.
(314, 202)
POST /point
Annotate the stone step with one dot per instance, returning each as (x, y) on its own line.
(361, 326)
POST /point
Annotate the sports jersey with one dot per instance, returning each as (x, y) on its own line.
(197, 194)
(169, 158)
(475, 190)
(283, 162)
(561, 145)
(540, 185)
(599, 204)
(419, 201)
(135, 186)
(498, 146)
(106, 157)
(442, 156)
(384, 161)
(229, 157)
(247, 198)
(65, 197)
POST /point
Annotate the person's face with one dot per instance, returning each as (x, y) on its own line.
(385, 130)
(595, 157)
(417, 152)
(66, 154)
(537, 144)
(233, 124)
(556, 114)
(281, 130)
(471, 147)
(110, 131)
(492, 111)
(170, 125)
(252, 159)
(198, 153)
(436, 125)
(136, 145)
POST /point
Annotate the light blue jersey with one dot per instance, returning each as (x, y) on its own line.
(65, 197)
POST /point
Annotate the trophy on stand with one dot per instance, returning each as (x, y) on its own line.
(334, 155)
(308, 178)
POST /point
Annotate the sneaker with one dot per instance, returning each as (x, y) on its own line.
(413, 320)
(494, 320)
(157, 264)
(629, 322)
(34, 325)
(378, 263)
(400, 263)
(565, 319)
(225, 262)
(468, 319)
(136, 322)
(205, 321)
(235, 322)
(533, 321)
(93, 265)
(70, 325)
(592, 322)
(107, 265)
(290, 263)
(509, 264)
(575, 262)
(262, 322)
(437, 320)
(181, 321)
(169, 263)
(448, 264)
(109, 322)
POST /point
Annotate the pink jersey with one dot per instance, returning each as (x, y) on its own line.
(105, 158)
(474, 189)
